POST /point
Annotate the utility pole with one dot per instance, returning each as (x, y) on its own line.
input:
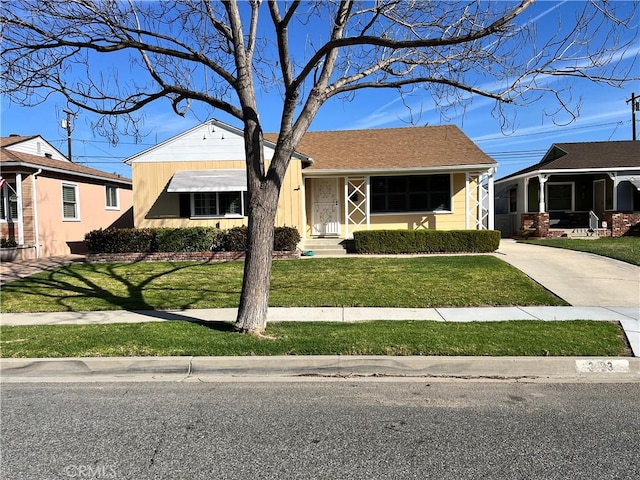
(635, 107)
(67, 123)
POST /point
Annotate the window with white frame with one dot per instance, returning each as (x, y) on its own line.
(70, 209)
(8, 201)
(219, 204)
(112, 197)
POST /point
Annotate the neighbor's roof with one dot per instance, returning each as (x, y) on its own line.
(10, 158)
(615, 155)
(390, 148)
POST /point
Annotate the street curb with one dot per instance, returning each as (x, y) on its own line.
(72, 369)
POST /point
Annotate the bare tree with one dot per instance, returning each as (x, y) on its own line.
(223, 53)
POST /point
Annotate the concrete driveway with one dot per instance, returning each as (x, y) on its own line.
(581, 279)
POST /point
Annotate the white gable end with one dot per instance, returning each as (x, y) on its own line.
(37, 146)
(207, 142)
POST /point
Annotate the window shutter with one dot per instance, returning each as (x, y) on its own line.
(185, 205)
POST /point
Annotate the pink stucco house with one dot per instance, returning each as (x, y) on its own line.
(48, 203)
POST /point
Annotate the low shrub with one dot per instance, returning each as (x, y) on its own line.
(286, 239)
(235, 239)
(120, 240)
(426, 241)
(193, 239)
(187, 239)
(8, 243)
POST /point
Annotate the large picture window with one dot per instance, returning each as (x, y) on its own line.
(416, 193)
(219, 204)
(559, 197)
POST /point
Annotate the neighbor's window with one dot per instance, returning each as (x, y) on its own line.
(218, 204)
(70, 209)
(416, 193)
(112, 197)
(8, 201)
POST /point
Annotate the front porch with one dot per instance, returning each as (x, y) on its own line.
(613, 224)
(338, 206)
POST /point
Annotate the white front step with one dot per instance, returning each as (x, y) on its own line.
(324, 247)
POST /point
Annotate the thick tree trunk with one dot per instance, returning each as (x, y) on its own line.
(254, 299)
(263, 204)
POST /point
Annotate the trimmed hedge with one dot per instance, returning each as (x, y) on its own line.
(426, 241)
(188, 239)
(120, 240)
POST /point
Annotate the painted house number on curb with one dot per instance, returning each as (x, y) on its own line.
(602, 366)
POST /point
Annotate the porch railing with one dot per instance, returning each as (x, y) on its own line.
(593, 222)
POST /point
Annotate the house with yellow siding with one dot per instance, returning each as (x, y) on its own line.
(337, 182)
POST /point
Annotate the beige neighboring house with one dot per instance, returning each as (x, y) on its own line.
(337, 182)
(48, 204)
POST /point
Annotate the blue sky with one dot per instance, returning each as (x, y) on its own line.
(604, 115)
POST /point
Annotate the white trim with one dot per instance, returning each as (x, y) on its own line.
(387, 172)
(73, 173)
(192, 212)
(352, 207)
(604, 195)
(20, 206)
(36, 229)
(562, 171)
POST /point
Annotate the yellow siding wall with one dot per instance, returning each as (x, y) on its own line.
(155, 207)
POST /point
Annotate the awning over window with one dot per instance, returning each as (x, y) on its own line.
(185, 181)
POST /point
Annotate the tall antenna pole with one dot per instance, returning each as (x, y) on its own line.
(635, 107)
(68, 125)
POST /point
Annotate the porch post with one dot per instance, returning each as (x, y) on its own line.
(467, 179)
(20, 207)
(491, 219)
(346, 207)
(367, 204)
(542, 207)
(616, 182)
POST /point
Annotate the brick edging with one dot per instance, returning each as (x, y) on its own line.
(180, 256)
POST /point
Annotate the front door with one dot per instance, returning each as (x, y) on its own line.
(325, 218)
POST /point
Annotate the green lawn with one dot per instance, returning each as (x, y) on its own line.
(457, 281)
(626, 249)
(573, 338)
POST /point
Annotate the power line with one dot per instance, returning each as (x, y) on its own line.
(549, 132)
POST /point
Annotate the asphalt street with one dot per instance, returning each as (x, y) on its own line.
(340, 429)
